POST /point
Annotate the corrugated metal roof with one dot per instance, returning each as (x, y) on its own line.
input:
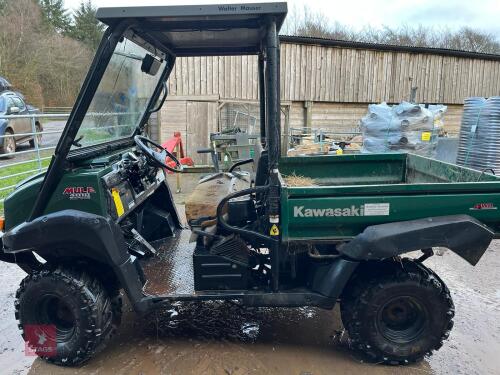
(387, 47)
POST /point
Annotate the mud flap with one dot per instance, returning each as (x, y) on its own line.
(26, 261)
(462, 234)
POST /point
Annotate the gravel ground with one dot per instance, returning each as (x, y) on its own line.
(219, 338)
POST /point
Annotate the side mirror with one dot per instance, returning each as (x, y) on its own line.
(13, 110)
(150, 65)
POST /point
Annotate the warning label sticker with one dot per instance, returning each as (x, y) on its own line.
(274, 230)
(377, 209)
(118, 202)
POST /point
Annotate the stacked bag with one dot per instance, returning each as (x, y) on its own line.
(405, 127)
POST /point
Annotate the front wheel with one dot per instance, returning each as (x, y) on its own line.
(9, 143)
(397, 312)
(65, 315)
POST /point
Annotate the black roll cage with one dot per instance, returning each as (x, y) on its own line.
(269, 100)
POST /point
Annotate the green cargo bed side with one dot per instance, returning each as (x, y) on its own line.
(352, 192)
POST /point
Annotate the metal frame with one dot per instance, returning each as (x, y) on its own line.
(137, 30)
(36, 150)
(89, 87)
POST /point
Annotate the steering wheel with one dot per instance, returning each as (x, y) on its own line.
(155, 157)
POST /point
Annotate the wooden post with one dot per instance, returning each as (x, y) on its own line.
(285, 140)
(308, 106)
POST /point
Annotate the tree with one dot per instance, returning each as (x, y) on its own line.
(86, 27)
(305, 22)
(45, 65)
(55, 15)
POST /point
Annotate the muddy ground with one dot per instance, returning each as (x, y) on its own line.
(220, 338)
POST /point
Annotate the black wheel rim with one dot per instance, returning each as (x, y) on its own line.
(53, 310)
(402, 319)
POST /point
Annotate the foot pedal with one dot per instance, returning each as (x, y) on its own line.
(140, 246)
(232, 248)
(135, 249)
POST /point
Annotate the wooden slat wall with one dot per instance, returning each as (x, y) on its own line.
(194, 119)
(173, 119)
(342, 75)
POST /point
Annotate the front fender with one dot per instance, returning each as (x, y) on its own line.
(72, 233)
(69, 233)
(26, 261)
(462, 234)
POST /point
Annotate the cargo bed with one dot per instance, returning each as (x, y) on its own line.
(351, 192)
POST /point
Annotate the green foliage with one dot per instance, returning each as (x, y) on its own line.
(47, 66)
(3, 3)
(55, 15)
(86, 28)
(44, 50)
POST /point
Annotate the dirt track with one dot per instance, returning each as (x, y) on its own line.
(224, 339)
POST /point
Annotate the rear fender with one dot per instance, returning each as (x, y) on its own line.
(330, 278)
(462, 234)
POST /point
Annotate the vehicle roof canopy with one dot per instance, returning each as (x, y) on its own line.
(200, 30)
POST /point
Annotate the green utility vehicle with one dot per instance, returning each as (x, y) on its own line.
(101, 221)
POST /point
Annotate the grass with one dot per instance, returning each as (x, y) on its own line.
(94, 136)
(16, 169)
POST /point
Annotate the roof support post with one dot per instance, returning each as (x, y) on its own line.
(272, 98)
(262, 97)
(273, 131)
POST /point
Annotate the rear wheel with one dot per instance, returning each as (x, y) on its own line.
(397, 312)
(9, 143)
(71, 309)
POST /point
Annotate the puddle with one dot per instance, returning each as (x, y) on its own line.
(224, 338)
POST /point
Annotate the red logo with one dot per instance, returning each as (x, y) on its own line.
(40, 340)
(79, 192)
(484, 206)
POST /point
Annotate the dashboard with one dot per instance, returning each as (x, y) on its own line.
(129, 183)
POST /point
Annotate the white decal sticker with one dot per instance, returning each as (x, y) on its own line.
(367, 209)
(377, 209)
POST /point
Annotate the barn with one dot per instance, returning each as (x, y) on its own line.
(325, 84)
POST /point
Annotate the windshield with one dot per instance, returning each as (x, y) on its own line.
(2, 104)
(121, 98)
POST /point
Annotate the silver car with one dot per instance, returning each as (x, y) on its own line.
(14, 131)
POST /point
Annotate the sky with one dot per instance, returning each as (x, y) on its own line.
(478, 14)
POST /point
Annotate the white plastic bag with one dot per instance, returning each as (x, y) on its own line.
(405, 127)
